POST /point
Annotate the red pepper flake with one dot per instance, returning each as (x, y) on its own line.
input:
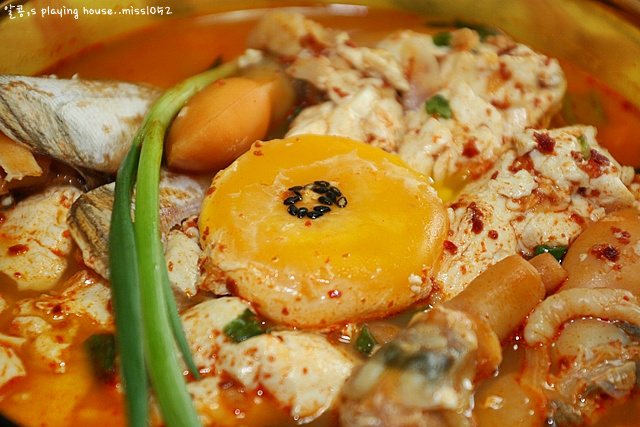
(596, 164)
(578, 219)
(339, 92)
(505, 72)
(18, 249)
(307, 224)
(334, 293)
(493, 234)
(311, 42)
(623, 236)
(258, 153)
(476, 218)
(450, 247)
(605, 251)
(470, 149)
(545, 142)
(520, 163)
(501, 104)
(210, 190)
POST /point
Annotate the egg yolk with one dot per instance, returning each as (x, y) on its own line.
(366, 252)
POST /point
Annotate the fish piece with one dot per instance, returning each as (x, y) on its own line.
(34, 239)
(89, 218)
(86, 123)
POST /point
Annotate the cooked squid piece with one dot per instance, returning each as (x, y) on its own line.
(592, 343)
(427, 374)
(607, 254)
(88, 124)
(582, 343)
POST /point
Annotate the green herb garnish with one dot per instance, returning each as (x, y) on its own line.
(244, 327)
(483, 30)
(147, 333)
(584, 147)
(442, 39)
(558, 252)
(101, 351)
(365, 341)
(439, 105)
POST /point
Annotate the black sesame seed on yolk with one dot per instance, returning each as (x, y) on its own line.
(321, 191)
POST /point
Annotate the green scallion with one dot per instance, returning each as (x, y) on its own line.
(365, 341)
(243, 327)
(101, 351)
(439, 105)
(147, 322)
(584, 147)
(558, 252)
(483, 30)
(442, 39)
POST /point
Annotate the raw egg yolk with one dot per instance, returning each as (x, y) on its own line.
(317, 231)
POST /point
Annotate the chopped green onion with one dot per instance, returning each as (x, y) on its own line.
(365, 341)
(147, 322)
(483, 30)
(439, 105)
(442, 39)
(558, 252)
(101, 351)
(244, 327)
(584, 146)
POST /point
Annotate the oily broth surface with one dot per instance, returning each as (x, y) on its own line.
(170, 51)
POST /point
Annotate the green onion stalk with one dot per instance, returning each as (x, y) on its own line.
(147, 323)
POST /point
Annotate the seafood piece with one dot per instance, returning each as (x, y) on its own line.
(90, 216)
(426, 375)
(591, 343)
(303, 371)
(523, 201)
(86, 123)
(16, 161)
(607, 254)
(604, 303)
(34, 239)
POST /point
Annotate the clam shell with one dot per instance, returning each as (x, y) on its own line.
(90, 216)
(88, 124)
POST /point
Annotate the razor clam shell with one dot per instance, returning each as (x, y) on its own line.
(88, 124)
(90, 216)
